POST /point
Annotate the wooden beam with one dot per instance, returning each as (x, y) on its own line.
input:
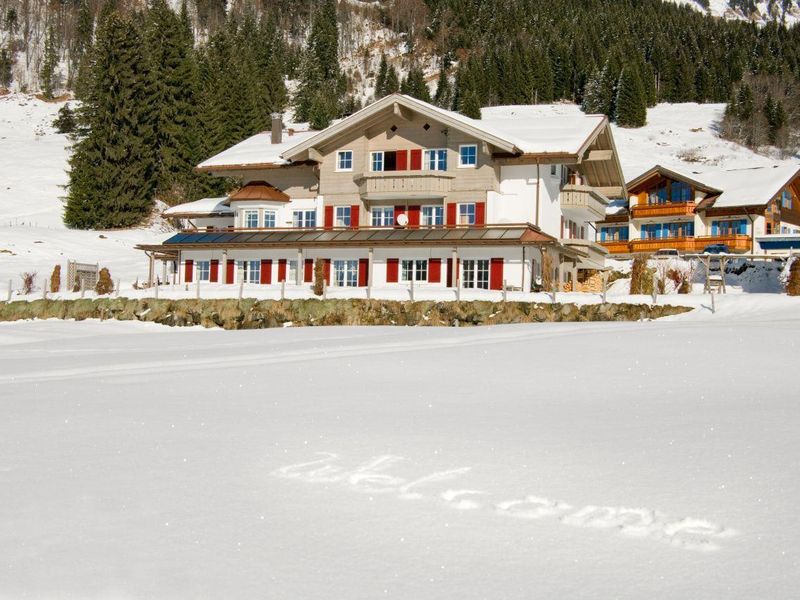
(599, 155)
(614, 191)
(315, 155)
(401, 111)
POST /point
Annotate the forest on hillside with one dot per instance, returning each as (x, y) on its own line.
(165, 85)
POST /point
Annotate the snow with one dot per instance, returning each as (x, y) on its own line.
(757, 185)
(204, 206)
(584, 460)
(258, 150)
(722, 8)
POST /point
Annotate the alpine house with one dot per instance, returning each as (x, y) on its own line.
(403, 190)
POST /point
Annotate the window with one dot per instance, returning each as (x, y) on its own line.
(344, 160)
(475, 274)
(658, 231)
(414, 269)
(377, 161)
(467, 155)
(729, 227)
(251, 219)
(432, 215)
(786, 199)
(345, 273)
(466, 214)
(383, 216)
(251, 271)
(269, 218)
(680, 192)
(203, 270)
(304, 218)
(342, 216)
(614, 234)
(291, 271)
(554, 171)
(436, 160)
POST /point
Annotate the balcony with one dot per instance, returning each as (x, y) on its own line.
(593, 255)
(690, 245)
(734, 242)
(403, 184)
(669, 209)
(582, 203)
(616, 246)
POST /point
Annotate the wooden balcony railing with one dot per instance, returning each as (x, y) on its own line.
(616, 246)
(682, 244)
(669, 209)
(735, 242)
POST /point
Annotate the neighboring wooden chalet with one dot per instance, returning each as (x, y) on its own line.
(744, 209)
(404, 190)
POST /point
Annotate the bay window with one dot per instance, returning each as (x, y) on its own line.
(251, 219)
(269, 218)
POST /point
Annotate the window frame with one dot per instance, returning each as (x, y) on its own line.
(475, 273)
(348, 269)
(337, 219)
(251, 271)
(381, 212)
(203, 270)
(274, 218)
(246, 214)
(303, 221)
(340, 154)
(460, 211)
(417, 268)
(438, 211)
(461, 163)
(374, 155)
(440, 159)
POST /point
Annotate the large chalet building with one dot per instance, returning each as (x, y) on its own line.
(750, 210)
(403, 190)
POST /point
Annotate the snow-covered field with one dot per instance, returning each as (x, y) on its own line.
(636, 460)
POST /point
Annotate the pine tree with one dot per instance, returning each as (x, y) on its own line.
(444, 95)
(631, 106)
(380, 80)
(414, 84)
(6, 63)
(83, 39)
(112, 175)
(47, 74)
(600, 92)
(392, 83)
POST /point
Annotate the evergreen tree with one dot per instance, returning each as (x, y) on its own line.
(6, 63)
(47, 74)
(392, 83)
(631, 106)
(83, 39)
(113, 172)
(380, 80)
(600, 92)
(414, 84)
(444, 95)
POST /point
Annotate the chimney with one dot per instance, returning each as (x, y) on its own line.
(277, 128)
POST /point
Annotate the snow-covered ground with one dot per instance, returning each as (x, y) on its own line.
(605, 460)
(766, 11)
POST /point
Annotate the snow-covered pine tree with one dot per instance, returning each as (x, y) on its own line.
(631, 106)
(112, 175)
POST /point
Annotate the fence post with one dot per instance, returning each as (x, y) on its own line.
(156, 290)
(197, 289)
(283, 290)
(116, 289)
(458, 291)
(324, 289)
(605, 285)
(83, 287)
(655, 288)
(241, 287)
(411, 287)
(505, 291)
(44, 291)
(713, 302)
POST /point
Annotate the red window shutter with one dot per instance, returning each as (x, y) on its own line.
(416, 160)
(230, 270)
(214, 275)
(435, 270)
(363, 267)
(413, 216)
(308, 270)
(328, 217)
(496, 274)
(266, 270)
(281, 269)
(327, 272)
(451, 215)
(354, 214)
(480, 213)
(449, 272)
(189, 271)
(392, 269)
(402, 160)
(399, 210)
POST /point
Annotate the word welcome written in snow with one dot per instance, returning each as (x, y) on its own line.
(372, 477)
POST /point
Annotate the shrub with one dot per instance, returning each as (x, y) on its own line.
(65, 122)
(28, 282)
(641, 276)
(55, 279)
(319, 276)
(793, 282)
(104, 284)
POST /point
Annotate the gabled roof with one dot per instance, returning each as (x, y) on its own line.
(255, 152)
(258, 190)
(395, 103)
(685, 176)
(205, 207)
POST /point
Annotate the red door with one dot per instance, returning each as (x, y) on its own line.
(230, 268)
(392, 269)
(435, 270)
(363, 268)
(214, 275)
(266, 271)
(188, 271)
(496, 274)
(308, 270)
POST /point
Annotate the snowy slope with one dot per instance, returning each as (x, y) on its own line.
(546, 461)
(765, 11)
(33, 173)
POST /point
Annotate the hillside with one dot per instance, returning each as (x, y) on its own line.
(761, 12)
(34, 159)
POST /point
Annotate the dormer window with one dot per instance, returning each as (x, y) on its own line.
(344, 160)
(467, 156)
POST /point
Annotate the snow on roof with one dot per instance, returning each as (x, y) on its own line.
(257, 150)
(204, 206)
(747, 187)
(536, 129)
(617, 206)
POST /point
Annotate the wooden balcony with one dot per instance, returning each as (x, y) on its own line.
(582, 202)
(616, 246)
(734, 242)
(403, 184)
(690, 245)
(669, 209)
